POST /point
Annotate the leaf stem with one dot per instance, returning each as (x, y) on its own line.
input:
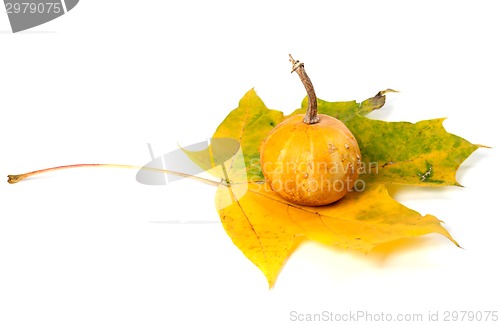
(312, 105)
(12, 179)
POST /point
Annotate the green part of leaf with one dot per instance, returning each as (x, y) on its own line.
(422, 153)
(375, 102)
(344, 111)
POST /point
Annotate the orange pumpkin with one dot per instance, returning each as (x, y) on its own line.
(310, 159)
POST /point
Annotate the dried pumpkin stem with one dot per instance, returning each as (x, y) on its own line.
(312, 105)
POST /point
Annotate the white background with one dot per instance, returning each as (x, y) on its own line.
(99, 83)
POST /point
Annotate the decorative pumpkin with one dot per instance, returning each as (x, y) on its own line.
(310, 159)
